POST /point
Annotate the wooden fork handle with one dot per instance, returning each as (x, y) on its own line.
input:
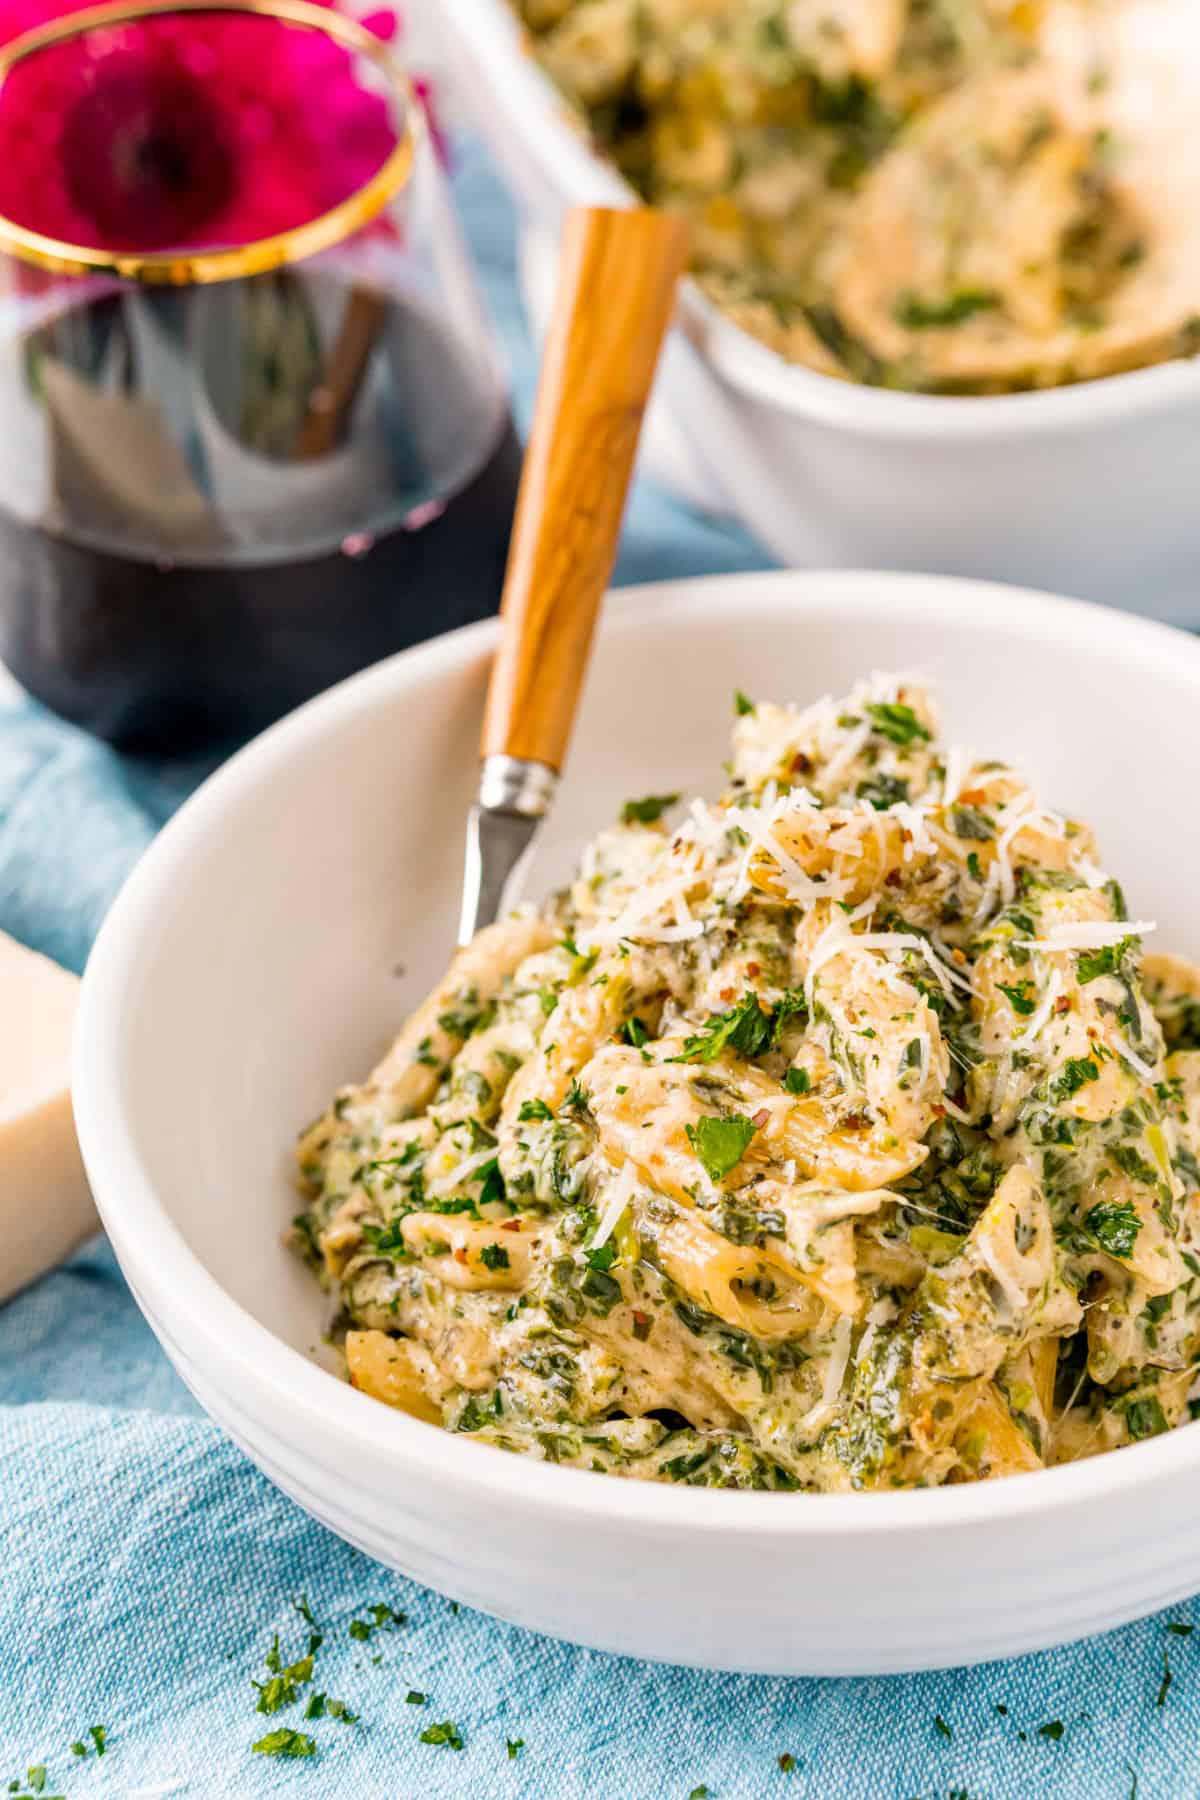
(616, 296)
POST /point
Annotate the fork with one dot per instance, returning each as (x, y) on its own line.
(618, 277)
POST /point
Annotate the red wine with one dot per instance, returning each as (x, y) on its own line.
(190, 544)
(154, 657)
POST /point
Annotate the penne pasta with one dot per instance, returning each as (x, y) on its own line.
(829, 1136)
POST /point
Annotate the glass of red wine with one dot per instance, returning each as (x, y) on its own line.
(255, 429)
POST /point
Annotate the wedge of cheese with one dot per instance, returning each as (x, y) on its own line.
(45, 1206)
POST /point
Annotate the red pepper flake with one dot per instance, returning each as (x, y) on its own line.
(726, 995)
(974, 797)
(801, 764)
(760, 1118)
(1062, 1004)
(959, 957)
(905, 835)
(511, 1225)
(752, 969)
(460, 1255)
(893, 878)
(854, 1122)
(939, 1111)
(641, 1326)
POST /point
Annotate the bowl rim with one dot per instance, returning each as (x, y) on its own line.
(536, 112)
(161, 1266)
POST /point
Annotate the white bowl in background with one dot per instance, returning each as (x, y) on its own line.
(249, 968)
(1089, 489)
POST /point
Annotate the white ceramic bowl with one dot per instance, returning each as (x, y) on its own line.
(1088, 489)
(249, 968)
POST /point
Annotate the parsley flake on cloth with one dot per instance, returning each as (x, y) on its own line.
(285, 1742)
(447, 1734)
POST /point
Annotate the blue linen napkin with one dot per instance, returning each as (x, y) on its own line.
(145, 1565)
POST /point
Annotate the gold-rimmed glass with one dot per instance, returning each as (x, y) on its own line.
(256, 428)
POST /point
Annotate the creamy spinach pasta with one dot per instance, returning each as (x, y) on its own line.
(836, 1135)
(958, 196)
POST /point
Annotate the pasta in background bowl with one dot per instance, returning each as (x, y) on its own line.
(952, 196)
(277, 934)
(1084, 488)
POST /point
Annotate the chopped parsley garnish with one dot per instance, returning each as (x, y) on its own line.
(787, 1763)
(492, 1180)
(1091, 964)
(883, 791)
(720, 1143)
(917, 314)
(699, 1793)
(388, 1240)
(747, 1028)
(1114, 1225)
(463, 1024)
(940, 1726)
(1178, 1630)
(446, 1733)
(635, 1033)
(415, 1697)
(1075, 1073)
(494, 1256)
(1052, 1729)
(35, 1779)
(741, 705)
(514, 1746)
(285, 1742)
(898, 723)
(602, 1258)
(647, 811)
(533, 1109)
(1019, 998)
(796, 1081)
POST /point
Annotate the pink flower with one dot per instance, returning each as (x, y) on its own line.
(181, 130)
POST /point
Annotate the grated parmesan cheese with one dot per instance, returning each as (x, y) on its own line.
(1092, 934)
